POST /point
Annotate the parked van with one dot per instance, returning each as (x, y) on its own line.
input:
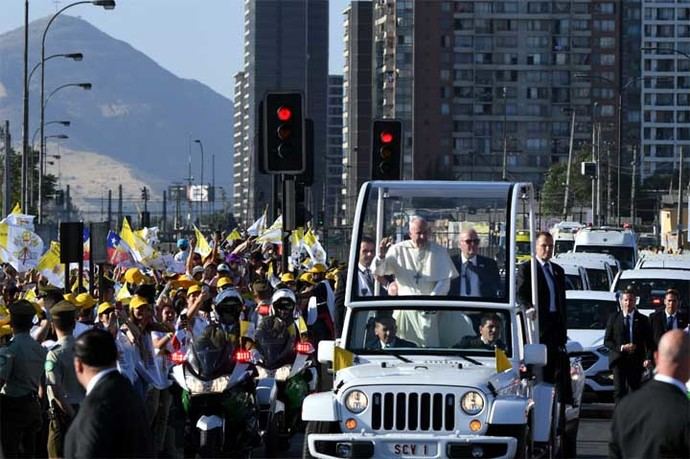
(619, 242)
(601, 268)
(564, 236)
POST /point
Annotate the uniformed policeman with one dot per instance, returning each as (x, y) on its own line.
(21, 368)
(64, 391)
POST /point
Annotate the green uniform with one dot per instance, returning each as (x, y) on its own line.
(21, 368)
(60, 375)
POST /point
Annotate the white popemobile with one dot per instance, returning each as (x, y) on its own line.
(441, 376)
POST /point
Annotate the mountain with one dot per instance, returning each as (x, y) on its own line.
(135, 126)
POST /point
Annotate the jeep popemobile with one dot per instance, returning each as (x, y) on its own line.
(424, 375)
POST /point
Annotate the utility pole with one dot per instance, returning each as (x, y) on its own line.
(679, 223)
(6, 177)
(594, 160)
(25, 134)
(632, 190)
(110, 208)
(164, 225)
(609, 186)
(598, 173)
(570, 162)
(504, 175)
(119, 207)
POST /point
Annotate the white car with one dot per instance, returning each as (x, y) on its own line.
(601, 268)
(588, 312)
(618, 242)
(651, 284)
(664, 261)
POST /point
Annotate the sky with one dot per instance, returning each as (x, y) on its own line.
(197, 39)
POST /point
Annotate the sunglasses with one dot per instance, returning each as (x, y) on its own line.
(471, 241)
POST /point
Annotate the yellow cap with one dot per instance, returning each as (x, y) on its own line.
(134, 276)
(104, 307)
(196, 288)
(306, 277)
(84, 301)
(138, 301)
(5, 330)
(223, 281)
(70, 297)
(287, 277)
(318, 268)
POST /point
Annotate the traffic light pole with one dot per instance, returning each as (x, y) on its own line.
(288, 218)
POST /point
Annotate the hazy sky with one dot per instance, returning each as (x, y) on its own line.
(199, 39)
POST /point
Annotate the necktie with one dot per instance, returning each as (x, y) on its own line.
(468, 283)
(370, 280)
(669, 323)
(628, 338)
(552, 287)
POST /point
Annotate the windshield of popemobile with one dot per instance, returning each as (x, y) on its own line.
(440, 240)
(468, 331)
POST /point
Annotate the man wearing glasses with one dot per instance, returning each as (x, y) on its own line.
(478, 274)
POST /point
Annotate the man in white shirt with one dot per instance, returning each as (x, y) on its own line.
(420, 266)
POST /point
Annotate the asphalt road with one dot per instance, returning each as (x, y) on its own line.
(592, 439)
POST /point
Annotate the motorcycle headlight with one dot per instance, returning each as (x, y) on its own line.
(472, 403)
(356, 401)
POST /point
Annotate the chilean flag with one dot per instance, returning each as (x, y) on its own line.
(86, 241)
(116, 249)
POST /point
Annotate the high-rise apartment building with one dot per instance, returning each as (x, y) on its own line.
(665, 126)
(285, 48)
(334, 150)
(357, 104)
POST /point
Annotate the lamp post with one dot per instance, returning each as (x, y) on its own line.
(201, 180)
(77, 57)
(41, 153)
(106, 4)
(48, 123)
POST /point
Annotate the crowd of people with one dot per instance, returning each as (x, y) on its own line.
(151, 316)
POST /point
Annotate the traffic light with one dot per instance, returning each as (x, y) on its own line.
(283, 134)
(589, 169)
(386, 150)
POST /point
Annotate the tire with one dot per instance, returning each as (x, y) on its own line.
(525, 448)
(273, 440)
(555, 447)
(316, 427)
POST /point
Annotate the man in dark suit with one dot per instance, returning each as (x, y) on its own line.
(365, 276)
(655, 421)
(111, 421)
(553, 331)
(668, 318)
(489, 334)
(478, 275)
(629, 340)
(385, 331)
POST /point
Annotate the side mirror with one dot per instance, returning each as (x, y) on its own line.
(325, 352)
(535, 354)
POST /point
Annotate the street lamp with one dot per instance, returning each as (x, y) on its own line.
(41, 153)
(77, 57)
(201, 181)
(60, 122)
(106, 4)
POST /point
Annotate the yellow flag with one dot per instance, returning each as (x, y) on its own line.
(342, 358)
(17, 209)
(502, 362)
(4, 231)
(50, 267)
(202, 247)
(302, 325)
(123, 295)
(233, 236)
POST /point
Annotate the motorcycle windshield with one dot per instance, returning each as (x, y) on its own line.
(275, 343)
(211, 354)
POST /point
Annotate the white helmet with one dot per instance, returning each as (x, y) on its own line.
(283, 293)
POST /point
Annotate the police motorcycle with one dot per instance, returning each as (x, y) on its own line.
(286, 372)
(217, 379)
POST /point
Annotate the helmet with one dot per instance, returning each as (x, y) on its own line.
(283, 302)
(228, 301)
(182, 244)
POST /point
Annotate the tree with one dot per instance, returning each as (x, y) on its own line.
(553, 191)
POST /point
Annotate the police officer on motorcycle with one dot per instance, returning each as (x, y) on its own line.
(276, 334)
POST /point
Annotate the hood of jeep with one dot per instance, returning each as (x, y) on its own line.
(447, 372)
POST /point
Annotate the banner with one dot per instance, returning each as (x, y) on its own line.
(50, 267)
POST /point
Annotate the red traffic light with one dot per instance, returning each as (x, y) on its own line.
(386, 137)
(284, 113)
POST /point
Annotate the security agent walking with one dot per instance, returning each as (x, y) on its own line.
(655, 420)
(64, 391)
(21, 368)
(670, 317)
(629, 340)
(111, 420)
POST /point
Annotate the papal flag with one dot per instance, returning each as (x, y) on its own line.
(50, 267)
(137, 246)
(202, 246)
(233, 236)
(502, 362)
(24, 248)
(258, 226)
(274, 233)
(314, 248)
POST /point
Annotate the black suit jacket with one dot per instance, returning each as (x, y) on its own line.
(399, 342)
(657, 320)
(111, 422)
(615, 337)
(651, 422)
(487, 271)
(552, 331)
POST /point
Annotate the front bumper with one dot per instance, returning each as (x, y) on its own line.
(410, 445)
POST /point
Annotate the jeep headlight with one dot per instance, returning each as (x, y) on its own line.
(356, 401)
(472, 403)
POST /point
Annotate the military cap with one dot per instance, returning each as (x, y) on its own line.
(22, 308)
(62, 307)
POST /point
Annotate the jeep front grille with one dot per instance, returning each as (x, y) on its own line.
(587, 359)
(414, 411)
